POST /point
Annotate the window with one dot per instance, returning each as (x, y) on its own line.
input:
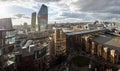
(10, 40)
(0, 43)
(39, 52)
(0, 34)
(10, 33)
(1, 52)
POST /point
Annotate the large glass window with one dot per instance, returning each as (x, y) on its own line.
(0, 34)
(1, 43)
(3, 34)
(1, 52)
(10, 33)
(10, 40)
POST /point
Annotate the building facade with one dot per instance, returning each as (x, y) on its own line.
(33, 22)
(7, 43)
(59, 42)
(6, 23)
(31, 59)
(7, 57)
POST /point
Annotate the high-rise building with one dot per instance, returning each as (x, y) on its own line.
(7, 43)
(33, 22)
(42, 18)
(59, 42)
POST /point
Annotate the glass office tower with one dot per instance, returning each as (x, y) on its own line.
(42, 18)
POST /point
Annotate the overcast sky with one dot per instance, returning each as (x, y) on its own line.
(61, 10)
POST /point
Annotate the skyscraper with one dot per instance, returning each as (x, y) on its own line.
(33, 21)
(42, 18)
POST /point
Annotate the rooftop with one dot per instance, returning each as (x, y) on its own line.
(85, 32)
(110, 41)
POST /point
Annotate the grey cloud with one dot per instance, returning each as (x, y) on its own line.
(73, 15)
(88, 16)
(90, 10)
(106, 16)
(26, 17)
(83, 9)
(59, 18)
(21, 16)
(7, 0)
(102, 6)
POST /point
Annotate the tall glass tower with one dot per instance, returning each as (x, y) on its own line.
(42, 18)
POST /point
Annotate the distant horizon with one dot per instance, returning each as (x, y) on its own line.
(69, 22)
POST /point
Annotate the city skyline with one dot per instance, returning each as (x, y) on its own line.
(59, 35)
(60, 10)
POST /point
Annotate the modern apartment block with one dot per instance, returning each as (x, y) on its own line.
(42, 18)
(59, 42)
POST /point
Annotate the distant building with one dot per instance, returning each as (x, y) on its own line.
(33, 22)
(42, 18)
(90, 26)
(59, 42)
(93, 26)
(26, 28)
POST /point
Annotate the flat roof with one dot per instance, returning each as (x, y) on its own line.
(85, 32)
(108, 40)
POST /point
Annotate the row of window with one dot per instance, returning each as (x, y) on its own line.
(10, 34)
(10, 40)
(1, 52)
(7, 34)
(7, 41)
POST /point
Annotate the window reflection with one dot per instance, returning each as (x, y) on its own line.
(0, 51)
(10, 40)
(10, 34)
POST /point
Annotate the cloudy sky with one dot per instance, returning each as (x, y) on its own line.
(61, 10)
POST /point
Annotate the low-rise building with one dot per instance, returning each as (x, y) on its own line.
(110, 47)
(32, 58)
